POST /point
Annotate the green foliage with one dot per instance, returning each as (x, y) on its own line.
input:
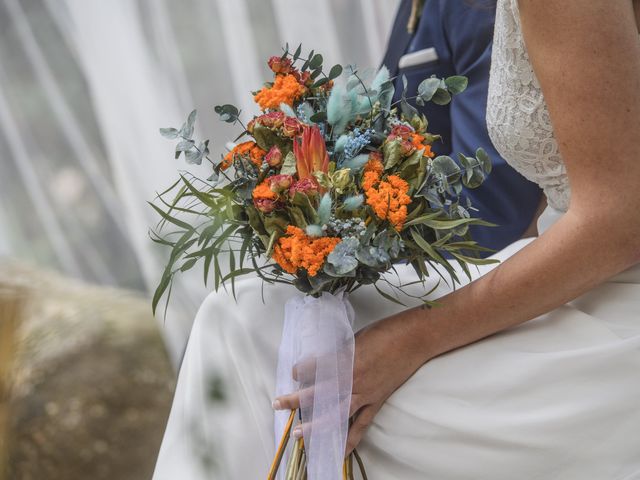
(440, 91)
(218, 225)
(228, 113)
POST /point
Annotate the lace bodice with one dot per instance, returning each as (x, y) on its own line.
(517, 115)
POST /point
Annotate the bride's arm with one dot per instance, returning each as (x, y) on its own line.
(586, 55)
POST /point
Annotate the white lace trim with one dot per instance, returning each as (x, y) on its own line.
(517, 115)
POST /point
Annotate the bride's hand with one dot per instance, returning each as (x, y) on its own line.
(386, 354)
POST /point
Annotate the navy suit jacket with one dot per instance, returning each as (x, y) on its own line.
(462, 35)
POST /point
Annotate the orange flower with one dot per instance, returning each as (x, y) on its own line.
(369, 179)
(263, 191)
(298, 250)
(388, 199)
(311, 153)
(247, 149)
(285, 89)
(428, 152)
(416, 141)
(375, 163)
(265, 199)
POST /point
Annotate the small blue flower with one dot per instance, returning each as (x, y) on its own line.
(356, 142)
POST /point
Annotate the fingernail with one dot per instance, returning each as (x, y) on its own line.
(297, 432)
(276, 405)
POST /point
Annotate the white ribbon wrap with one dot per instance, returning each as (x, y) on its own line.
(317, 338)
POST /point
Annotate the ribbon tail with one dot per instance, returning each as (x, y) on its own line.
(318, 340)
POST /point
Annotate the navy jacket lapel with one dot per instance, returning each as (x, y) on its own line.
(399, 39)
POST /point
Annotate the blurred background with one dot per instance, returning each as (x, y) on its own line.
(86, 372)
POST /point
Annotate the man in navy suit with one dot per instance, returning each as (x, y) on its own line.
(454, 37)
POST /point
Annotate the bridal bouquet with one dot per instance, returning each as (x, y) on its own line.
(328, 188)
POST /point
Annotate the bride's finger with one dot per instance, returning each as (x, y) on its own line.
(287, 402)
(291, 401)
(359, 426)
(357, 402)
(305, 371)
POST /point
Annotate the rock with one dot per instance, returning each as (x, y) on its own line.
(91, 382)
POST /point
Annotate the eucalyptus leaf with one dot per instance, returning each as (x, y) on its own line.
(320, 281)
(408, 110)
(316, 61)
(484, 159)
(335, 72)
(320, 82)
(473, 178)
(343, 256)
(445, 166)
(228, 113)
(385, 95)
(191, 120)
(186, 131)
(427, 88)
(305, 65)
(193, 157)
(185, 145)
(373, 256)
(456, 84)
(441, 97)
(170, 133)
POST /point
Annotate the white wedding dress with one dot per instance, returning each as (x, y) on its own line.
(555, 398)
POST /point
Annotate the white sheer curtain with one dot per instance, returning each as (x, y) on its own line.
(84, 87)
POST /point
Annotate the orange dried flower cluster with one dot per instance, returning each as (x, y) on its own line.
(374, 164)
(416, 141)
(388, 198)
(285, 89)
(250, 149)
(263, 191)
(372, 172)
(298, 250)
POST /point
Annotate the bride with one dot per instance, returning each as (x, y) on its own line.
(532, 371)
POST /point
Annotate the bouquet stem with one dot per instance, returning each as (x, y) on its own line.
(282, 447)
(297, 464)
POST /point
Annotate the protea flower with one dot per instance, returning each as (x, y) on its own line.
(311, 153)
(309, 186)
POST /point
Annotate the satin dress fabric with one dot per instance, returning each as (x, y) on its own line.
(554, 398)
